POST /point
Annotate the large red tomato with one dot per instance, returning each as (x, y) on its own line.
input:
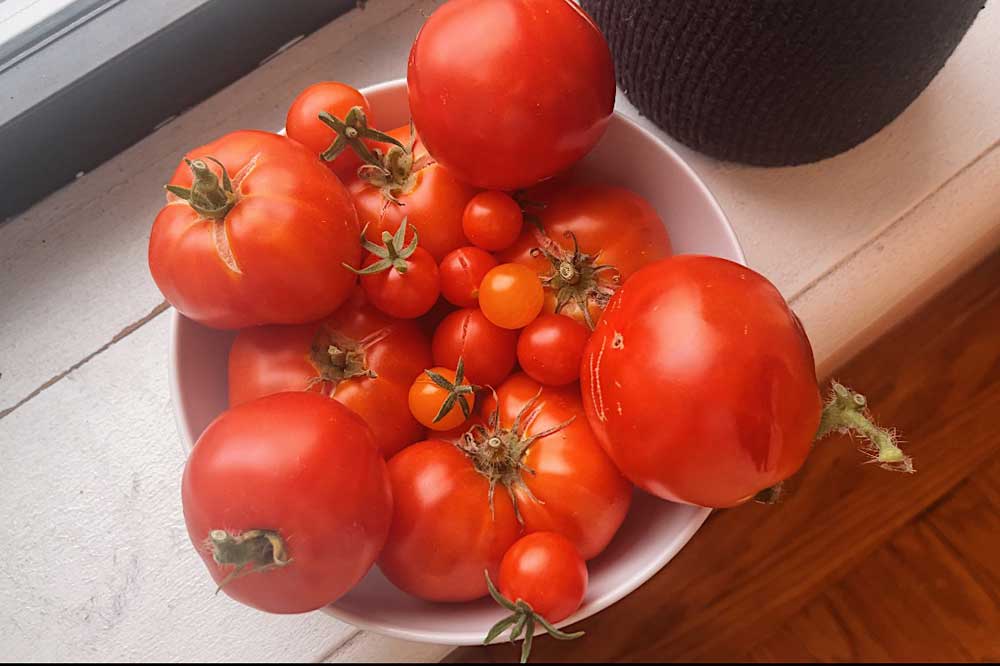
(507, 93)
(593, 237)
(358, 356)
(457, 503)
(408, 184)
(263, 238)
(700, 382)
(287, 501)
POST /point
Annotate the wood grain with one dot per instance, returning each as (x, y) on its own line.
(752, 569)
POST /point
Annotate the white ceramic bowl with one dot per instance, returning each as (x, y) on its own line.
(654, 531)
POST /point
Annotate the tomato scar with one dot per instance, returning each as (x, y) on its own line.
(597, 394)
(222, 247)
(618, 342)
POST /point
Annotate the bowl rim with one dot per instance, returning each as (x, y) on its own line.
(459, 638)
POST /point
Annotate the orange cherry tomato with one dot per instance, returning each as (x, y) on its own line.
(511, 295)
(492, 220)
(441, 399)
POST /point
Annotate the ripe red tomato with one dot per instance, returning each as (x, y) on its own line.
(304, 125)
(489, 352)
(700, 382)
(492, 93)
(287, 501)
(550, 349)
(492, 220)
(595, 236)
(462, 271)
(270, 251)
(406, 183)
(442, 541)
(402, 281)
(358, 356)
(544, 570)
(441, 398)
(542, 579)
(511, 296)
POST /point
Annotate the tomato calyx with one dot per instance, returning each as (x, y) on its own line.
(521, 620)
(351, 133)
(498, 453)
(207, 195)
(529, 208)
(391, 253)
(393, 172)
(846, 412)
(577, 278)
(337, 357)
(261, 550)
(457, 391)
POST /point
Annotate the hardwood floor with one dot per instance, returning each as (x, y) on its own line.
(856, 563)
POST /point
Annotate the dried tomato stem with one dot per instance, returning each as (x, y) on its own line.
(207, 195)
(258, 549)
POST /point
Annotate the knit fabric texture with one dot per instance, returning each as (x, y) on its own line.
(778, 82)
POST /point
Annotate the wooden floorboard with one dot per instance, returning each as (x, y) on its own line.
(838, 551)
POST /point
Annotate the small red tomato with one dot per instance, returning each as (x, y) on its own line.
(542, 579)
(492, 220)
(441, 399)
(511, 295)
(303, 122)
(462, 271)
(489, 351)
(400, 281)
(550, 349)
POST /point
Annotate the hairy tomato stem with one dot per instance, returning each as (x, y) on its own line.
(846, 411)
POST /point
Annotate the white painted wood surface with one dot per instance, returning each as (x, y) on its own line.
(96, 564)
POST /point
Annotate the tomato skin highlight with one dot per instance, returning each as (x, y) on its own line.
(511, 296)
(492, 220)
(303, 124)
(532, 116)
(462, 271)
(273, 359)
(545, 570)
(489, 351)
(550, 349)
(252, 459)
(700, 383)
(288, 235)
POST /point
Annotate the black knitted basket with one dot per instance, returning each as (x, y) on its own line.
(778, 82)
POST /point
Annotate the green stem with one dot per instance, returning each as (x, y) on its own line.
(846, 411)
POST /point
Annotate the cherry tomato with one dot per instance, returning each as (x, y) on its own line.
(441, 542)
(358, 356)
(699, 381)
(304, 125)
(545, 570)
(550, 349)
(461, 273)
(401, 281)
(489, 351)
(511, 296)
(493, 97)
(287, 501)
(441, 399)
(595, 236)
(542, 579)
(492, 220)
(400, 180)
(265, 239)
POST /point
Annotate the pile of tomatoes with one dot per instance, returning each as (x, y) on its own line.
(456, 357)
